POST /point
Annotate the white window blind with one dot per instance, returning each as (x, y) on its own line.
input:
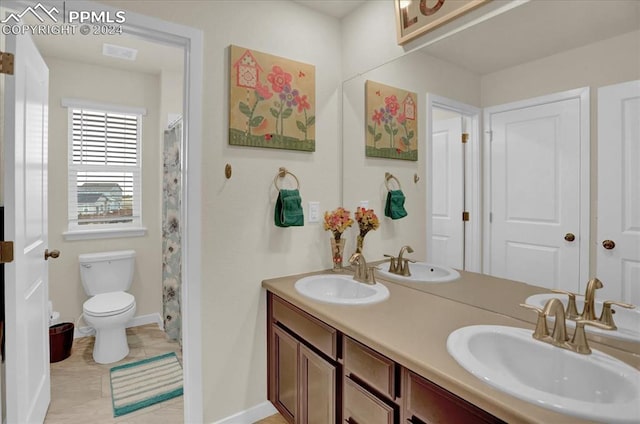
(104, 169)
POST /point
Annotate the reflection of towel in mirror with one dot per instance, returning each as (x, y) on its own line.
(289, 209)
(394, 207)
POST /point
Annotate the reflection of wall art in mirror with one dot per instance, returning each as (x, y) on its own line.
(392, 129)
(417, 17)
(271, 101)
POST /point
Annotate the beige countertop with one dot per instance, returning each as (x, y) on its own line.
(411, 327)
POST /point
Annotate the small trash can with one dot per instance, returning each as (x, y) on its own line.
(60, 341)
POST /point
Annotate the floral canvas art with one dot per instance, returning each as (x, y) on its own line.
(272, 101)
(391, 122)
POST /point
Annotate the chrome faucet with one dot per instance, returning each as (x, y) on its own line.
(558, 336)
(363, 274)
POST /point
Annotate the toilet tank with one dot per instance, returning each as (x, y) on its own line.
(105, 272)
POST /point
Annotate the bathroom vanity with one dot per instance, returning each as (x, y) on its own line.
(387, 362)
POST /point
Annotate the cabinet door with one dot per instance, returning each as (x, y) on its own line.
(362, 407)
(284, 369)
(432, 404)
(317, 389)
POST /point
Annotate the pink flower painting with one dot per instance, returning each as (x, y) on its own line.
(272, 101)
(391, 124)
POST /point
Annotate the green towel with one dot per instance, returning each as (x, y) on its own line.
(289, 209)
(394, 208)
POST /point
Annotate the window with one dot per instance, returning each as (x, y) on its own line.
(104, 167)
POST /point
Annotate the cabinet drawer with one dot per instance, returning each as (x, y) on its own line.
(371, 367)
(361, 407)
(432, 404)
(314, 331)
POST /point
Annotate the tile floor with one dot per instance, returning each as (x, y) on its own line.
(81, 394)
(80, 389)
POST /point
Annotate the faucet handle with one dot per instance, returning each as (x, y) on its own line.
(541, 330)
(572, 309)
(406, 272)
(371, 275)
(579, 341)
(393, 263)
(606, 317)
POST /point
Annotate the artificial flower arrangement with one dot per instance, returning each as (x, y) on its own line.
(337, 221)
(367, 221)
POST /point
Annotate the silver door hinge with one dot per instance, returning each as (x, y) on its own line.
(6, 63)
(490, 135)
(490, 216)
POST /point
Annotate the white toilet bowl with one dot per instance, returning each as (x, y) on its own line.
(108, 314)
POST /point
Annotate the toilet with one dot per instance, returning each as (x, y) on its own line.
(106, 276)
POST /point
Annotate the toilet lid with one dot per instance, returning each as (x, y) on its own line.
(106, 304)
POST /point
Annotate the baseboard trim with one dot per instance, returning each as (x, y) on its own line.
(251, 415)
(154, 318)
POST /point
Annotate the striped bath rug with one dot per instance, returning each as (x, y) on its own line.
(143, 383)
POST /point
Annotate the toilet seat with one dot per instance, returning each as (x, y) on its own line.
(108, 304)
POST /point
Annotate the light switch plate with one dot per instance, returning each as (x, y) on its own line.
(314, 211)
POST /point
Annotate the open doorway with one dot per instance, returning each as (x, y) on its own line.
(190, 41)
(453, 184)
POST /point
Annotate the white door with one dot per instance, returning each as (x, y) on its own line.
(618, 242)
(535, 191)
(26, 288)
(447, 237)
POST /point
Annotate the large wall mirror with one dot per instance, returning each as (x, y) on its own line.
(534, 57)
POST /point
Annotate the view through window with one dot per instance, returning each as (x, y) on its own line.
(104, 168)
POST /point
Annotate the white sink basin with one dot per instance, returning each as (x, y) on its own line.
(596, 386)
(421, 272)
(340, 289)
(627, 320)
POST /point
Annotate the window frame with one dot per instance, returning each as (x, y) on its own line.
(77, 231)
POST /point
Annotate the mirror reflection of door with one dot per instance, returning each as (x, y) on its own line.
(537, 199)
(618, 241)
(453, 184)
(447, 236)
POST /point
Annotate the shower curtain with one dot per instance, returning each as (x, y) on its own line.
(171, 231)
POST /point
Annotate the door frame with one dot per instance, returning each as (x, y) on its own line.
(582, 94)
(472, 183)
(191, 40)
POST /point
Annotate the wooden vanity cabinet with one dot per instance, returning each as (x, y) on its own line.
(426, 402)
(318, 376)
(303, 376)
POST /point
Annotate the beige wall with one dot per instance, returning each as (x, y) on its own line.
(241, 245)
(171, 95)
(364, 177)
(106, 85)
(607, 62)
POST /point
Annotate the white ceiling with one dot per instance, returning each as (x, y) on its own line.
(534, 30)
(152, 57)
(336, 8)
